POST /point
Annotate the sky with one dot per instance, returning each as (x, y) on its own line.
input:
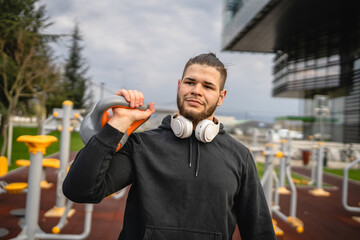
(144, 45)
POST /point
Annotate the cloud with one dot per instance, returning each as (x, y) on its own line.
(145, 44)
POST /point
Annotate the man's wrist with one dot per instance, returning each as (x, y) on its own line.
(109, 136)
(121, 124)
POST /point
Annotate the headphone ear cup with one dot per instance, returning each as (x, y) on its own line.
(206, 131)
(181, 126)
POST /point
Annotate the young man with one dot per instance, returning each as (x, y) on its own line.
(189, 180)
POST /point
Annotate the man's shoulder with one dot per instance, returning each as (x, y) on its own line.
(231, 139)
(158, 133)
(233, 143)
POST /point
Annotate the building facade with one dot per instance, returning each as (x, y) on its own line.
(316, 47)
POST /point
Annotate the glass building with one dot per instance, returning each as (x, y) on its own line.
(316, 47)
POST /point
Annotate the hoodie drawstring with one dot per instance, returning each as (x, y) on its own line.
(198, 160)
(198, 157)
(190, 157)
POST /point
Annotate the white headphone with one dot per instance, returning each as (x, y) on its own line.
(205, 131)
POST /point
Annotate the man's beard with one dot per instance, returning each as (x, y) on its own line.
(192, 116)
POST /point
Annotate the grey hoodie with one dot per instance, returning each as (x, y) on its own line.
(180, 188)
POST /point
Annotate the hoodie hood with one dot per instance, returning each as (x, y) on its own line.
(193, 142)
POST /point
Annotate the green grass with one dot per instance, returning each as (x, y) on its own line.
(260, 169)
(21, 151)
(354, 174)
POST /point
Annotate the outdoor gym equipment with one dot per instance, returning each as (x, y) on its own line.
(46, 163)
(67, 119)
(269, 177)
(254, 149)
(284, 164)
(54, 122)
(37, 146)
(31, 230)
(66, 129)
(11, 188)
(98, 117)
(312, 160)
(319, 191)
(345, 190)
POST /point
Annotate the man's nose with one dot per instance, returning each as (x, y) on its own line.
(197, 90)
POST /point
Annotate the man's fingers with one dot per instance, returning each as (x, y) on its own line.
(141, 99)
(151, 108)
(148, 112)
(133, 97)
(125, 94)
(123, 117)
(138, 98)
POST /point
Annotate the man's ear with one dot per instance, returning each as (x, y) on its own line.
(222, 97)
(178, 86)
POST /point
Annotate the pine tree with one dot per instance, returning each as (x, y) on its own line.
(75, 80)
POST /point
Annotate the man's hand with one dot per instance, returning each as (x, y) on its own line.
(122, 118)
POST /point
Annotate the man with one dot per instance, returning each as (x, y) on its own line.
(189, 180)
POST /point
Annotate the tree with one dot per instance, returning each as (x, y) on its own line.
(46, 86)
(24, 55)
(75, 78)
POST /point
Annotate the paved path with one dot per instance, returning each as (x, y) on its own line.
(324, 218)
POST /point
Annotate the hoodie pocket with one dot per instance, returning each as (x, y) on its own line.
(169, 233)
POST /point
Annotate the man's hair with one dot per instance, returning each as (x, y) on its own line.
(209, 59)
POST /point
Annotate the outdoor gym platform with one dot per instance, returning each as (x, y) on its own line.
(323, 217)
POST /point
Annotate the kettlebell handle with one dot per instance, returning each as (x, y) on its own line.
(99, 116)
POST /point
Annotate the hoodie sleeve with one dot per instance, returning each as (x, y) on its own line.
(253, 216)
(98, 170)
